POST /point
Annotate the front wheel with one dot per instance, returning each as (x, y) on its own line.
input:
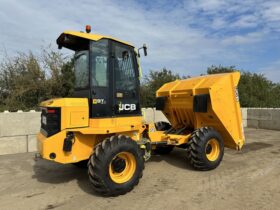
(115, 166)
(205, 149)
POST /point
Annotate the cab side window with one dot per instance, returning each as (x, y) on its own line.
(81, 69)
(100, 60)
(124, 69)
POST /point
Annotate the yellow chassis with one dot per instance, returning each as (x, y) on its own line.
(86, 138)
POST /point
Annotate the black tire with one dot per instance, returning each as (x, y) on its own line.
(163, 150)
(81, 164)
(200, 156)
(101, 162)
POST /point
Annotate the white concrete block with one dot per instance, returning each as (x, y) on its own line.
(32, 143)
(269, 124)
(148, 115)
(244, 113)
(252, 123)
(259, 114)
(244, 122)
(159, 116)
(274, 124)
(15, 124)
(13, 145)
(265, 118)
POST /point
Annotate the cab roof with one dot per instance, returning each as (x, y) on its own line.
(88, 36)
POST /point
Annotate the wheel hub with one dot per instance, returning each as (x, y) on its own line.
(212, 150)
(208, 149)
(122, 167)
(118, 165)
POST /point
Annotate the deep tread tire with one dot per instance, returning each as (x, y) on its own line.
(99, 163)
(163, 150)
(196, 150)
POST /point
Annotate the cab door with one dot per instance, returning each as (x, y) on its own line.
(101, 84)
(126, 81)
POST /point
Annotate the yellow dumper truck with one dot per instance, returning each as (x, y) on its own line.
(102, 126)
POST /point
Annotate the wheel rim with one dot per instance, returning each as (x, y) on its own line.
(122, 167)
(212, 150)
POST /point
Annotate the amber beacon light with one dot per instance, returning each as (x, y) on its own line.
(88, 28)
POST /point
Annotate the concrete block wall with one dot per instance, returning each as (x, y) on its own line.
(264, 118)
(18, 129)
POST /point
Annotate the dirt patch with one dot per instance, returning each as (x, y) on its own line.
(247, 181)
(254, 146)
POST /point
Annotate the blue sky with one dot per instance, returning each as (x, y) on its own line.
(184, 36)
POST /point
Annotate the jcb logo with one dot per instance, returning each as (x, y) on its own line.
(127, 107)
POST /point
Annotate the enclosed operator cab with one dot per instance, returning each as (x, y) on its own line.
(106, 72)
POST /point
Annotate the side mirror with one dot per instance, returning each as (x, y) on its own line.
(144, 49)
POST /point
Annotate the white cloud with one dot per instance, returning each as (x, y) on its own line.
(219, 23)
(272, 71)
(244, 39)
(185, 36)
(246, 21)
(209, 6)
(271, 11)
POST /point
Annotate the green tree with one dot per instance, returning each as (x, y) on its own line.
(255, 90)
(61, 70)
(22, 82)
(67, 78)
(220, 69)
(152, 82)
(26, 79)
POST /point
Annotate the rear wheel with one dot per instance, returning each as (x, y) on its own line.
(163, 150)
(116, 166)
(206, 149)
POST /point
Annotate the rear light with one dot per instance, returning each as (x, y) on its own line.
(51, 111)
(50, 120)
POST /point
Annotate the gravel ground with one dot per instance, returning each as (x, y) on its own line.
(245, 180)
